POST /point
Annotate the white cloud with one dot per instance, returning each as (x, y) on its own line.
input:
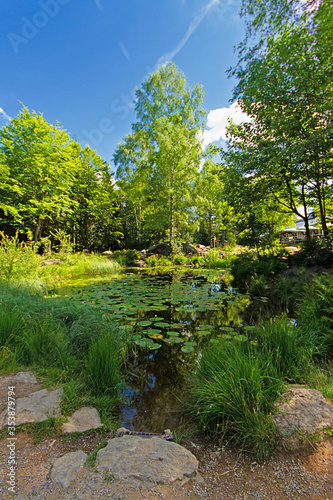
(217, 121)
(125, 51)
(166, 58)
(4, 116)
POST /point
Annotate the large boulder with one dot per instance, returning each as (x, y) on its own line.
(66, 468)
(151, 460)
(301, 409)
(159, 249)
(36, 407)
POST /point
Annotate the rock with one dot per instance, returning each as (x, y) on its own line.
(82, 420)
(302, 409)
(19, 378)
(159, 249)
(188, 249)
(107, 252)
(151, 460)
(66, 468)
(36, 407)
(51, 262)
(140, 263)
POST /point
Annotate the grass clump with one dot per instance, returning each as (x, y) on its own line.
(289, 350)
(103, 366)
(212, 259)
(232, 395)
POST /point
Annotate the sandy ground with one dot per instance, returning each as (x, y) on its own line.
(306, 473)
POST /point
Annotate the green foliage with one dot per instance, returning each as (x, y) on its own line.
(314, 253)
(315, 310)
(289, 349)
(103, 366)
(212, 259)
(91, 459)
(17, 258)
(249, 267)
(232, 395)
(126, 257)
(158, 163)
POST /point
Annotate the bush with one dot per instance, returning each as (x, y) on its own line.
(232, 394)
(248, 265)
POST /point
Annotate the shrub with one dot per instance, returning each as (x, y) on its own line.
(232, 394)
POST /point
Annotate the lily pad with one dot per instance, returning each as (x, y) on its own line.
(156, 336)
(156, 318)
(145, 343)
(187, 348)
(173, 334)
(173, 340)
(144, 323)
(214, 341)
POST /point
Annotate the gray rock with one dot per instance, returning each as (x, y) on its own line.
(82, 420)
(302, 410)
(19, 378)
(66, 468)
(147, 460)
(51, 262)
(36, 407)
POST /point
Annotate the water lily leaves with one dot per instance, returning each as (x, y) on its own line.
(156, 318)
(155, 346)
(187, 348)
(144, 323)
(173, 334)
(156, 336)
(145, 343)
(162, 324)
(173, 340)
(214, 341)
(203, 332)
(225, 336)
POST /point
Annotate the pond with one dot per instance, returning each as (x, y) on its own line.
(173, 316)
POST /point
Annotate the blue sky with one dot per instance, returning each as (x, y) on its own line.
(79, 61)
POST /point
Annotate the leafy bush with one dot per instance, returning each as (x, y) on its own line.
(247, 265)
(314, 252)
(17, 258)
(232, 394)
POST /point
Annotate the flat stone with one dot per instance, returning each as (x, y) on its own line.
(151, 460)
(66, 468)
(36, 407)
(82, 420)
(302, 410)
(24, 383)
(51, 262)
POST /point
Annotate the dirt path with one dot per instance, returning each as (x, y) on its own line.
(302, 475)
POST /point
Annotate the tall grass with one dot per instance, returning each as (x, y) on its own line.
(315, 311)
(232, 394)
(212, 259)
(103, 366)
(289, 349)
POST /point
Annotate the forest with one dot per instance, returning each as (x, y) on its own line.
(259, 315)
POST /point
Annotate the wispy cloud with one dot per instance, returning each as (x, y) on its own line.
(4, 116)
(125, 51)
(217, 122)
(99, 4)
(166, 58)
